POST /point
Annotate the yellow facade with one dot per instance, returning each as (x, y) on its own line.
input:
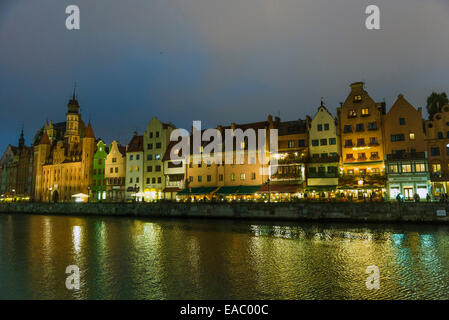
(324, 149)
(63, 164)
(360, 124)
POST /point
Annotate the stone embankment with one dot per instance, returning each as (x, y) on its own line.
(361, 212)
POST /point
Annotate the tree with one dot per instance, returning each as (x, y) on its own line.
(435, 102)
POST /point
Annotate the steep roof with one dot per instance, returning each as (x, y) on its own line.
(89, 133)
(44, 138)
(136, 144)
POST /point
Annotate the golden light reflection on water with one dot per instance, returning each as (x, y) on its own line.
(167, 259)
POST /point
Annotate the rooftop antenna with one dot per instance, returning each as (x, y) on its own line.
(322, 102)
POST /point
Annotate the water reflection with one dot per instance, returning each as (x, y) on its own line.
(122, 258)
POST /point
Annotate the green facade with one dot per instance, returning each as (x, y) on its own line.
(98, 185)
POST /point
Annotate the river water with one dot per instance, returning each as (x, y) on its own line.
(127, 258)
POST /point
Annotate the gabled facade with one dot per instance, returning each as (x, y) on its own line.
(324, 154)
(115, 173)
(437, 138)
(134, 169)
(406, 155)
(360, 123)
(98, 186)
(156, 139)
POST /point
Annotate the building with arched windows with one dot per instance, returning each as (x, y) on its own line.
(63, 154)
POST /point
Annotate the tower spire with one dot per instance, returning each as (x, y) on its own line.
(74, 92)
(21, 139)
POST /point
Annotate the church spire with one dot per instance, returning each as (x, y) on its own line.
(74, 92)
(21, 139)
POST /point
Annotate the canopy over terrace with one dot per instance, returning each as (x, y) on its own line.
(198, 191)
(281, 191)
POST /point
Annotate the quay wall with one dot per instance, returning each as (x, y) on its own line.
(433, 212)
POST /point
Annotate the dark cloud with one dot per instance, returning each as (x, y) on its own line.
(211, 60)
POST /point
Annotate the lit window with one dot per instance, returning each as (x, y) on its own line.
(406, 168)
(365, 112)
(242, 176)
(412, 136)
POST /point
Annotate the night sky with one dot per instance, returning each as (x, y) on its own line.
(219, 61)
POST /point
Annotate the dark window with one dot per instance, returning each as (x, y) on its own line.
(153, 180)
(332, 141)
(397, 137)
(360, 127)
(209, 178)
(323, 142)
(320, 127)
(315, 142)
(148, 180)
(348, 143)
(159, 180)
(149, 169)
(435, 151)
(157, 134)
(150, 146)
(302, 143)
(360, 142)
(372, 126)
(326, 126)
(373, 141)
(150, 157)
(347, 128)
(440, 135)
(158, 168)
(402, 121)
(158, 145)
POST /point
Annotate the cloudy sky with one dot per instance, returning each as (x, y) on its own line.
(218, 61)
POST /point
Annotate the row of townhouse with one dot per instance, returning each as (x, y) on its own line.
(363, 151)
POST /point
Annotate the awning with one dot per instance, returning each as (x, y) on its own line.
(247, 190)
(196, 191)
(227, 190)
(280, 188)
(171, 189)
(321, 188)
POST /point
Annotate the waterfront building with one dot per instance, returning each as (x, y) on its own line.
(63, 158)
(174, 172)
(115, 173)
(155, 140)
(98, 186)
(406, 153)
(437, 138)
(5, 161)
(360, 125)
(16, 171)
(324, 155)
(232, 181)
(287, 177)
(134, 168)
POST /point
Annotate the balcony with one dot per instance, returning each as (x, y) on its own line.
(328, 159)
(361, 144)
(349, 145)
(406, 156)
(373, 143)
(362, 158)
(322, 175)
(374, 158)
